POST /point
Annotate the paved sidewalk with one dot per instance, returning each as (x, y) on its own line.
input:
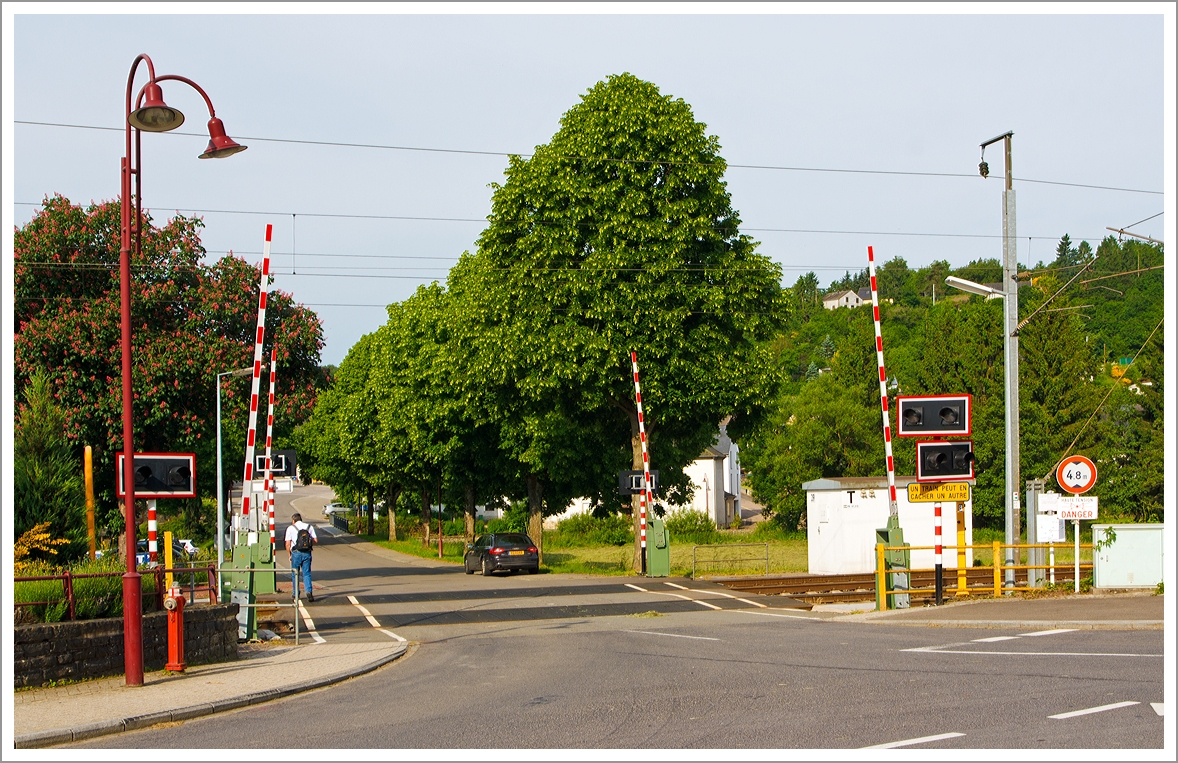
(1085, 612)
(63, 714)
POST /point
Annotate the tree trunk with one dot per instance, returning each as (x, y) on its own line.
(391, 508)
(371, 511)
(425, 514)
(469, 512)
(536, 513)
(636, 500)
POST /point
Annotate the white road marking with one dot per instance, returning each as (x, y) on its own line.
(390, 633)
(674, 635)
(717, 593)
(365, 612)
(310, 625)
(1091, 710)
(774, 614)
(993, 639)
(1049, 633)
(675, 585)
(940, 650)
(918, 740)
(1158, 707)
(676, 595)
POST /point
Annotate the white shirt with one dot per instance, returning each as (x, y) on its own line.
(292, 532)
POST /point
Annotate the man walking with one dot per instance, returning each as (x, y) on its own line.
(300, 539)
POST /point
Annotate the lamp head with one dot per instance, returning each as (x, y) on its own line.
(155, 115)
(220, 144)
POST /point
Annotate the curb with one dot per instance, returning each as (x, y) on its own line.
(133, 723)
(1081, 625)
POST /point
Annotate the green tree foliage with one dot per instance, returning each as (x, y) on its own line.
(189, 320)
(617, 235)
(47, 477)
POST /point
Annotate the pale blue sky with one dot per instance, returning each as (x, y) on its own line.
(1084, 95)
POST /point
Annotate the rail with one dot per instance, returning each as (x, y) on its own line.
(882, 571)
(70, 597)
(695, 560)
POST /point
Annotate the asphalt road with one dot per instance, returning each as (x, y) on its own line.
(547, 661)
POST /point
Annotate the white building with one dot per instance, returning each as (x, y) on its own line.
(843, 513)
(841, 299)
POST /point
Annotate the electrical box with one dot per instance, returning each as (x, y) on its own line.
(658, 549)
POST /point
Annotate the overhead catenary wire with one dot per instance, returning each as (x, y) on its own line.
(475, 152)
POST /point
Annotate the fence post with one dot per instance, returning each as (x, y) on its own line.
(212, 588)
(68, 584)
(881, 591)
(997, 569)
(159, 589)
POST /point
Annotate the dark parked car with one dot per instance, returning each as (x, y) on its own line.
(502, 551)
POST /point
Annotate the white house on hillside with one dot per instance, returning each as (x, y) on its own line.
(842, 299)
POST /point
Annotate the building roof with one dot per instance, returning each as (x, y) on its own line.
(864, 293)
(860, 483)
(836, 295)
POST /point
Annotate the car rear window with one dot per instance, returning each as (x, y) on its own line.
(512, 540)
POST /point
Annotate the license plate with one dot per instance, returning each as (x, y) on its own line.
(517, 553)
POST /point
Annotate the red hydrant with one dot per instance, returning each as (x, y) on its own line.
(174, 603)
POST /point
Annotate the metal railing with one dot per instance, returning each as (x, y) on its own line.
(882, 571)
(695, 560)
(69, 596)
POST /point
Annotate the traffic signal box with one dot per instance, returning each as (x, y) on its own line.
(161, 475)
(933, 416)
(944, 461)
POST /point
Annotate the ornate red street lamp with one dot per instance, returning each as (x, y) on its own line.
(153, 115)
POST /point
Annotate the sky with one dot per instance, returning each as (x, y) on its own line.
(359, 227)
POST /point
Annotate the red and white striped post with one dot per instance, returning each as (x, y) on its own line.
(269, 441)
(937, 553)
(647, 497)
(152, 537)
(899, 579)
(251, 436)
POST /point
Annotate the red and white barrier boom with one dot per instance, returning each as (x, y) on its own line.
(647, 498)
(269, 440)
(893, 532)
(245, 524)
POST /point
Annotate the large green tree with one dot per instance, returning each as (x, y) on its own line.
(618, 235)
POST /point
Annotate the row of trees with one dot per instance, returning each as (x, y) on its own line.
(190, 320)
(515, 378)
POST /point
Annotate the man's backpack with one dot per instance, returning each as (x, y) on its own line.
(303, 541)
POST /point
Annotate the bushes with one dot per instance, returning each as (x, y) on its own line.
(687, 526)
(588, 530)
(93, 597)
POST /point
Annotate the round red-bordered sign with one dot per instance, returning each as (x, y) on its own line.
(1076, 474)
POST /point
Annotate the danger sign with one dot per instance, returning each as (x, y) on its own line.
(1076, 474)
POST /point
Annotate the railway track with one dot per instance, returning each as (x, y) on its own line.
(824, 589)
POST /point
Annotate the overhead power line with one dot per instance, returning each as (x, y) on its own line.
(474, 152)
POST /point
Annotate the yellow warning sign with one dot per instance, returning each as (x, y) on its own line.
(937, 492)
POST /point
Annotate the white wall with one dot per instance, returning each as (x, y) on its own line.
(840, 529)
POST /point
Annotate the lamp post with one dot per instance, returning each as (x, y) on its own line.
(150, 113)
(1009, 294)
(220, 488)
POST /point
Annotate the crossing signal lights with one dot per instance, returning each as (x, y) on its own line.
(944, 461)
(161, 475)
(933, 415)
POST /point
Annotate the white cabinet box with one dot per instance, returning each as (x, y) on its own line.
(1133, 560)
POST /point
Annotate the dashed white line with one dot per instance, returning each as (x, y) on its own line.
(1048, 633)
(918, 740)
(674, 635)
(992, 639)
(1089, 711)
(390, 633)
(676, 595)
(717, 593)
(976, 653)
(1158, 707)
(775, 614)
(310, 625)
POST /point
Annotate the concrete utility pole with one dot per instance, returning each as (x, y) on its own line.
(1010, 351)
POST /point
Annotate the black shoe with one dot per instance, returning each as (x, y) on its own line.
(310, 597)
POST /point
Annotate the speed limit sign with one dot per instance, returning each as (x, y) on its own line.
(1076, 474)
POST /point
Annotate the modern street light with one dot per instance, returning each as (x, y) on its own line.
(220, 480)
(150, 113)
(1010, 342)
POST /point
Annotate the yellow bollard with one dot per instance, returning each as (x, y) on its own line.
(881, 588)
(962, 575)
(997, 569)
(88, 468)
(167, 559)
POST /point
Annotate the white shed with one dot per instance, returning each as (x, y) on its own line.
(843, 513)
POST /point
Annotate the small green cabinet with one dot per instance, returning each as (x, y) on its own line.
(658, 549)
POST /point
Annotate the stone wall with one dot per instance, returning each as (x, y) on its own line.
(80, 649)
